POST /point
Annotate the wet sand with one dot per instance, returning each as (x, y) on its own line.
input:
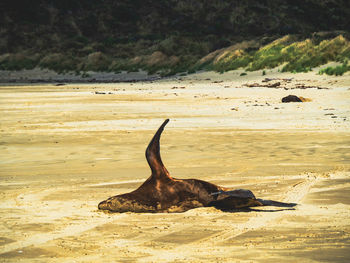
(66, 148)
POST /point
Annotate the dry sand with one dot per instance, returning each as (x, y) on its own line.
(65, 148)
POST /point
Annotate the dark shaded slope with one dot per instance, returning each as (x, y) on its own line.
(63, 34)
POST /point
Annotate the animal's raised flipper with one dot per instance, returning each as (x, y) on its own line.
(153, 155)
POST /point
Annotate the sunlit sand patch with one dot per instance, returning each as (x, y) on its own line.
(58, 160)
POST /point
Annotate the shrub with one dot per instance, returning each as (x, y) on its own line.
(96, 61)
(232, 64)
(270, 56)
(338, 70)
(300, 56)
(18, 61)
(304, 55)
(59, 62)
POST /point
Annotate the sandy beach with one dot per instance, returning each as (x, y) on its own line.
(66, 148)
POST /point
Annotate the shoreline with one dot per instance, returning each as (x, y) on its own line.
(45, 76)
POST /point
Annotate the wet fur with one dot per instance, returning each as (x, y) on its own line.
(162, 193)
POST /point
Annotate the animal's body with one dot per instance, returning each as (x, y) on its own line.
(162, 193)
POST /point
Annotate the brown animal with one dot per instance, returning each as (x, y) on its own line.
(162, 193)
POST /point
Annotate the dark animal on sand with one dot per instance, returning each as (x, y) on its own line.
(163, 193)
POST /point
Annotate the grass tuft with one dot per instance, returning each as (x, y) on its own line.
(337, 71)
(297, 56)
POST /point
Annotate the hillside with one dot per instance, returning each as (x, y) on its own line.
(167, 36)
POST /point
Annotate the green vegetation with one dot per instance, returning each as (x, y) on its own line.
(293, 54)
(59, 62)
(18, 61)
(308, 54)
(270, 56)
(338, 70)
(172, 36)
(234, 63)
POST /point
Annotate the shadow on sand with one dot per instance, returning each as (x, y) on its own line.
(286, 207)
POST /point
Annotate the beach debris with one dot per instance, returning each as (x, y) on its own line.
(235, 109)
(100, 92)
(273, 85)
(303, 86)
(279, 84)
(178, 87)
(252, 85)
(270, 79)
